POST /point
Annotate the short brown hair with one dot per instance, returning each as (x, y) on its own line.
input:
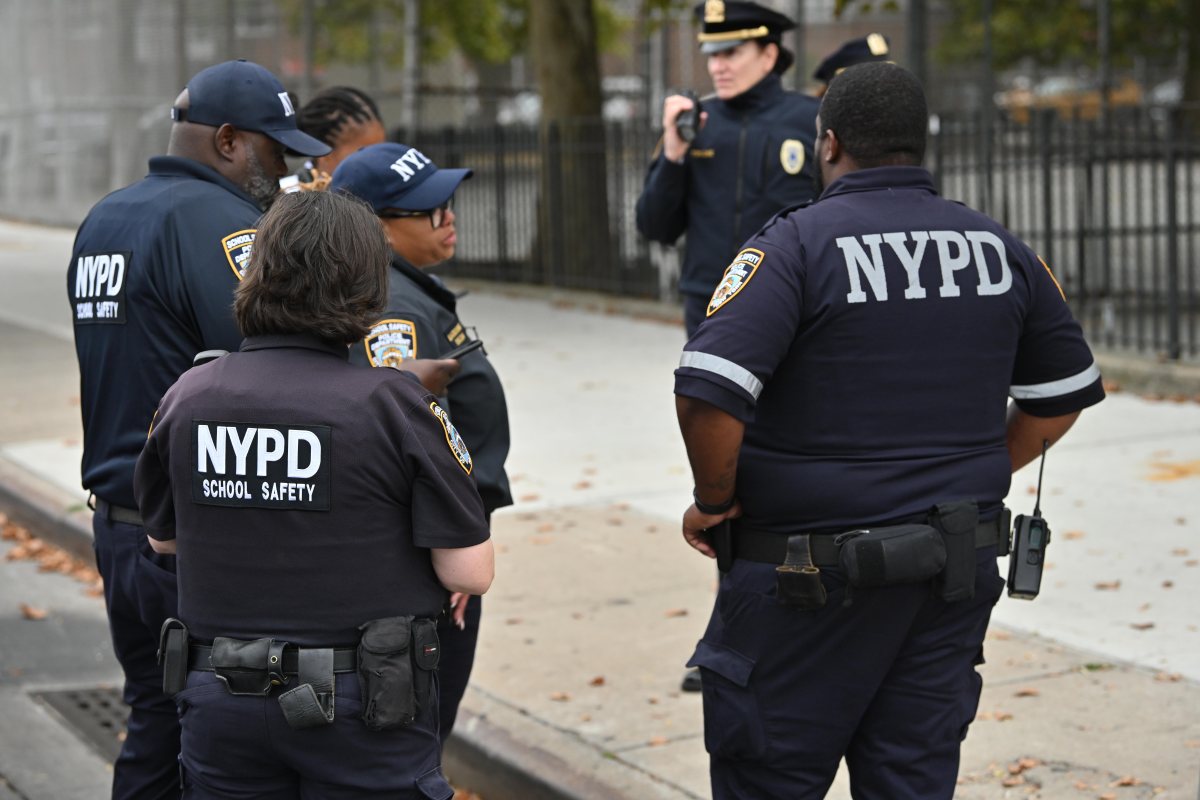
(318, 265)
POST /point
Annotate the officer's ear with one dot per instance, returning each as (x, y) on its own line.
(829, 149)
(227, 142)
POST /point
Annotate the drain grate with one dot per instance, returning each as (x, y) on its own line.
(96, 715)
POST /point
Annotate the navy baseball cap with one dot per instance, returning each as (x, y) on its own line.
(872, 47)
(725, 25)
(391, 175)
(249, 97)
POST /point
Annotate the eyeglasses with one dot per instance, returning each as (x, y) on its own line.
(437, 216)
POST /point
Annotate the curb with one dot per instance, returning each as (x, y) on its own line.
(36, 504)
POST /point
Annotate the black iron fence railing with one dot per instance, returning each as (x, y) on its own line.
(1109, 202)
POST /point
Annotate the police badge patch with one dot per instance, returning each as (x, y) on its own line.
(791, 155)
(390, 342)
(237, 247)
(736, 277)
(453, 438)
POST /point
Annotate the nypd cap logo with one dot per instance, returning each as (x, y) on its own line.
(237, 247)
(739, 273)
(791, 156)
(391, 342)
(453, 438)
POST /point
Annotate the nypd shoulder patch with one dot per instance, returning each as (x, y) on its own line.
(453, 438)
(390, 342)
(237, 247)
(739, 273)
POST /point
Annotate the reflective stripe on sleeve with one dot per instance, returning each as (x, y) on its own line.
(723, 367)
(1040, 391)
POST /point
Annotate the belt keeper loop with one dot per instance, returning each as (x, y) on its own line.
(275, 662)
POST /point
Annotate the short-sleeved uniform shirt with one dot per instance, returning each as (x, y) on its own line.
(151, 284)
(750, 160)
(422, 321)
(871, 342)
(304, 493)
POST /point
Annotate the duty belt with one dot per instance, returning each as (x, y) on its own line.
(771, 548)
(126, 516)
(345, 659)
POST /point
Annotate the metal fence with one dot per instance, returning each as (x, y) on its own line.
(1109, 203)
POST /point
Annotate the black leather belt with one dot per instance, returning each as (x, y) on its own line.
(771, 548)
(345, 659)
(126, 516)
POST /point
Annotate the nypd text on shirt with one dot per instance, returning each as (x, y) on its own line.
(261, 466)
(959, 262)
(99, 281)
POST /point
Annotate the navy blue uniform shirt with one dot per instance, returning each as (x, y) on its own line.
(752, 158)
(304, 493)
(151, 284)
(871, 341)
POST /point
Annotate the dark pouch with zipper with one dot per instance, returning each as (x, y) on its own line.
(173, 656)
(426, 654)
(957, 522)
(248, 667)
(385, 672)
(892, 555)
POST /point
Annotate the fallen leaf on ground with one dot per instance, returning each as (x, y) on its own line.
(1142, 626)
(676, 612)
(1108, 796)
(589, 471)
(1108, 586)
(615, 521)
(1083, 786)
(545, 527)
(1168, 584)
(999, 635)
(1027, 692)
(513, 621)
(560, 697)
(32, 612)
(1181, 520)
(1168, 677)
(582, 485)
(540, 539)
(1002, 716)
(657, 741)
(1191, 562)
(1014, 780)
(652, 701)
(597, 681)
(528, 498)
(1144, 607)
(1179, 551)
(585, 717)
(1192, 743)
(1126, 780)
(1074, 535)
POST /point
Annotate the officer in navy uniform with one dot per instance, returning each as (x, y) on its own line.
(853, 373)
(863, 50)
(751, 157)
(309, 500)
(413, 199)
(150, 285)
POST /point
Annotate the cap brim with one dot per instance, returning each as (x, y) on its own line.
(433, 191)
(299, 143)
(708, 48)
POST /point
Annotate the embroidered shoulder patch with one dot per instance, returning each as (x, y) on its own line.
(390, 342)
(791, 156)
(1050, 272)
(453, 438)
(237, 247)
(736, 277)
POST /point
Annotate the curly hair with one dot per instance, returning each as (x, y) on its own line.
(318, 265)
(879, 114)
(331, 110)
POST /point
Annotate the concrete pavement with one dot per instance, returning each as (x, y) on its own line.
(1093, 689)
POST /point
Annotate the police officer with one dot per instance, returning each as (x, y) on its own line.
(751, 157)
(863, 50)
(310, 500)
(347, 120)
(852, 377)
(414, 201)
(150, 285)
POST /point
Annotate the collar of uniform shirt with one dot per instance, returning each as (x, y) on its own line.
(300, 341)
(869, 180)
(185, 167)
(763, 93)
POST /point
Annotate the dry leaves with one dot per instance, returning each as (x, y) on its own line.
(1179, 551)
(1074, 535)
(1168, 677)
(32, 612)
(676, 612)
(1141, 626)
(1028, 691)
(529, 498)
(582, 485)
(1168, 584)
(597, 681)
(560, 697)
(49, 558)
(1108, 586)
(657, 741)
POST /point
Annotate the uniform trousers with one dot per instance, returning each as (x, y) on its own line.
(139, 593)
(241, 747)
(888, 682)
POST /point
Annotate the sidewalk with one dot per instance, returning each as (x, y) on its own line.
(1091, 691)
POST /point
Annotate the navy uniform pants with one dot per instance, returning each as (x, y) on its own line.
(239, 747)
(888, 683)
(139, 593)
(458, 656)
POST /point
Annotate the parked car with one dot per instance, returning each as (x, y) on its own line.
(1070, 98)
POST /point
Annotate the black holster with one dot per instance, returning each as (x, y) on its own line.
(957, 523)
(396, 660)
(173, 656)
(249, 667)
(797, 579)
(891, 555)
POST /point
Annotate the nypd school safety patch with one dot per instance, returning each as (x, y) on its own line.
(261, 466)
(237, 247)
(736, 277)
(453, 438)
(391, 342)
(99, 287)
(791, 155)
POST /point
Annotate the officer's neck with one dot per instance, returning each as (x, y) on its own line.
(759, 94)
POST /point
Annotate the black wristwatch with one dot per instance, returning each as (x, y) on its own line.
(706, 508)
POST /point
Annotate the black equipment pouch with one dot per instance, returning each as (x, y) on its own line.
(720, 536)
(891, 555)
(310, 705)
(385, 672)
(248, 667)
(173, 656)
(797, 579)
(957, 522)
(426, 653)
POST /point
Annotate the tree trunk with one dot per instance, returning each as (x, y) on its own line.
(1191, 75)
(573, 241)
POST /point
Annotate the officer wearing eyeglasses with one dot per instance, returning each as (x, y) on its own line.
(414, 201)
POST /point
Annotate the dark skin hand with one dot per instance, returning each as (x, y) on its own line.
(713, 439)
(434, 374)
